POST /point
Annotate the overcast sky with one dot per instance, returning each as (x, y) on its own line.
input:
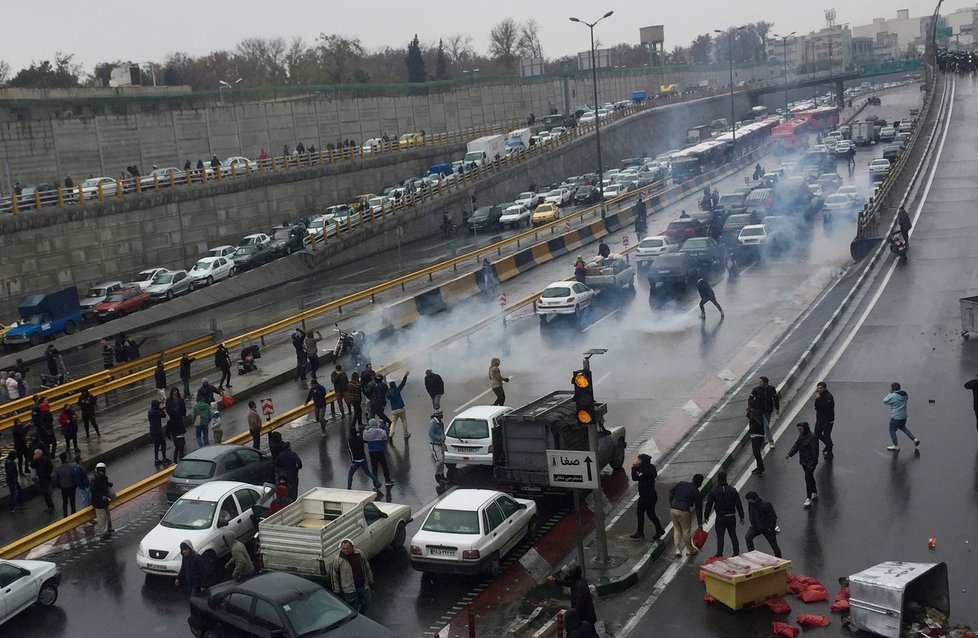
(107, 30)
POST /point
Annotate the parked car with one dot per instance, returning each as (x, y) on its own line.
(222, 251)
(144, 278)
(25, 583)
(409, 140)
(842, 148)
(220, 462)
(706, 251)
(586, 195)
(839, 203)
(470, 531)
(683, 228)
(161, 177)
(853, 192)
(514, 216)
(96, 295)
(257, 238)
(280, 605)
(484, 218)
(563, 298)
(468, 438)
(878, 168)
(672, 269)
(252, 256)
(286, 240)
(528, 199)
(544, 214)
(122, 302)
(169, 284)
(651, 247)
(201, 516)
(208, 270)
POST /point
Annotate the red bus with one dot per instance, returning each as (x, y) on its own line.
(791, 135)
(820, 119)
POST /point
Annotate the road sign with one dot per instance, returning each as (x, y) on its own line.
(502, 301)
(624, 241)
(569, 468)
(266, 407)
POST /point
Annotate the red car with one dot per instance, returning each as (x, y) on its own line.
(682, 229)
(122, 302)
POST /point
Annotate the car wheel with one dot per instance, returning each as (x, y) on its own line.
(207, 562)
(48, 594)
(288, 250)
(495, 565)
(169, 295)
(210, 280)
(400, 534)
(193, 286)
(531, 529)
(618, 460)
(232, 273)
(70, 327)
(35, 339)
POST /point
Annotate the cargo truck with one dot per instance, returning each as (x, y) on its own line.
(521, 441)
(45, 315)
(485, 149)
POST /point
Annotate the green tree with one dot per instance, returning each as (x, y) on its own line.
(441, 62)
(503, 41)
(415, 64)
(700, 49)
(62, 74)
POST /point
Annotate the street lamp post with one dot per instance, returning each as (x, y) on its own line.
(784, 57)
(733, 117)
(597, 120)
(152, 70)
(221, 85)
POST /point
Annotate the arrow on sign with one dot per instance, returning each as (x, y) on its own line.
(587, 462)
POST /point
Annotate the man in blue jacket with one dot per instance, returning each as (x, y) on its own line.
(897, 401)
(397, 405)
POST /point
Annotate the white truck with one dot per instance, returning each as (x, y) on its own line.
(520, 136)
(303, 538)
(485, 149)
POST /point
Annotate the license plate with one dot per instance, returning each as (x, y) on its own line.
(466, 449)
(441, 552)
(156, 567)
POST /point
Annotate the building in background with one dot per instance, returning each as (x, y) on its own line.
(963, 25)
(894, 36)
(794, 50)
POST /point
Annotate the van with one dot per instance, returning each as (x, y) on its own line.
(759, 202)
(469, 437)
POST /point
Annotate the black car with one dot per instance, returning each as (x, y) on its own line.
(220, 462)
(587, 195)
(892, 152)
(286, 240)
(251, 256)
(484, 218)
(672, 269)
(277, 604)
(707, 253)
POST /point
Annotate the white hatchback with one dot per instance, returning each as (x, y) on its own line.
(469, 435)
(651, 247)
(470, 531)
(26, 582)
(563, 298)
(200, 516)
(207, 270)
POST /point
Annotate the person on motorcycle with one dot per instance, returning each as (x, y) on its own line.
(447, 225)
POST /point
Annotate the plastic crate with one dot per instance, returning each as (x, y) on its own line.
(745, 579)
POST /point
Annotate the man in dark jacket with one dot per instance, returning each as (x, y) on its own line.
(684, 497)
(155, 417)
(339, 380)
(12, 476)
(185, 361)
(707, 295)
(806, 447)
(64, 478)
(176, 429)
(763, 522)
(824, 417)
(755, 428)
(159, 379)
(726, 500)
(102, 494)
(44, 470)
(580, 594)
(766, 399)
(206, 392)
(435, 386)
(358, 458)
(644, 473)
(191, 570)
(378, 400)
(287, 465)
(317, 394)
(222, 360)
(298, 342)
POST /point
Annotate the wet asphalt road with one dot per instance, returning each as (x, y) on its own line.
(876, 505)
(657, 351)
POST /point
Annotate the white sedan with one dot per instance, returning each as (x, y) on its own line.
(563, 298)
(144, 278)
(528, 199)
(257, 238)
(470, 531)
(238, 165)
(26, 582)
(515, 215)
(202, 516)
(651, 247)
(207, 270)
(558, 196)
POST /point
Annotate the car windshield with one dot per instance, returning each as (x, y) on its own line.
(319, 222)
(452, 522)
(650, 243)
(731, 199)
(526, 195)
(751, 232)
(317, 613)
(194, 469)
(116, 296)
(246, 250)
(163, 278)
(482, 211)
(556, 292)
(91, 182)
(202, 265)
(554, 193)
(282, 233)
(189, 514)
(145, 275)
(695, 243)
(737, 220)
(96, 292)
(469, 429)
(837, 199)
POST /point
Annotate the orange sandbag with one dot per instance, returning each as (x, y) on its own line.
(814, 594)
(798, 584)
(839, 606)
(843, 594)
(777, 605)
(699, 538)
(812, 620)
(784, 629)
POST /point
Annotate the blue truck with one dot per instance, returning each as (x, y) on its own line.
(45, 315)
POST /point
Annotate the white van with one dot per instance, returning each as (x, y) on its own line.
(469, 435)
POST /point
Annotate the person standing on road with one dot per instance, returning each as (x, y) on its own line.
(191, 570)
(378, 400)
(973, 386)
(298, 342)
(496, 380)
(108, 358)
(684, 497)
(102, 494)
(350, 576)
(88, 404)
(206, 392)
(603, 249)
(311, 346)
(755, 428)
(176, 429)
(358, 459)
(287, 465)
(766, 398)
(45, 428)
(68, 421)
(903, 220)
(240, 565)
(436, 439)
(155, 418)
(185, 361)
(580, 593)
(159, 379)
(254, 425)
(339, 380)
(12, 476)
(726, 500)
(200, 416)
(435, 386)
(897, 401)
(376, 436)
(82, 483)
(806, 447)
(644, 473)
(222, 361)
(317, 394)
(354, 398)
(44, 471)
(64, 478)
(763, 522)
(641, 219)
(707, 295)
(824, 417)
(580, 270)
(398, 411)
(21, 449)
(576, 627)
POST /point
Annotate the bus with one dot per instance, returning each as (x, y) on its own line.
(820, 119)
(758, 113)
(791, 135)
(700, 159)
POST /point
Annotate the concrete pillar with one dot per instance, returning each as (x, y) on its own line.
(840, 94)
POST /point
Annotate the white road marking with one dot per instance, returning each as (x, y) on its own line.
(615, 311)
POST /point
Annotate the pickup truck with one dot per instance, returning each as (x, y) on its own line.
(613, 271)
(43, 316)
(304, 537)
(521, 441)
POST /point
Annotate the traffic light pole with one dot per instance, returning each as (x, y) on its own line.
(600, 538)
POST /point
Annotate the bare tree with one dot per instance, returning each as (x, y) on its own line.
(528, 45)
(4, 72)
(459, 49)
(261, 61)
(503, 42)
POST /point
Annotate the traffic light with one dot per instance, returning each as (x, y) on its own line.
(584, 397)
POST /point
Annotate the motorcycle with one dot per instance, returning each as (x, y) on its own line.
(898, 246)
(448, 228)
(350, 350)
